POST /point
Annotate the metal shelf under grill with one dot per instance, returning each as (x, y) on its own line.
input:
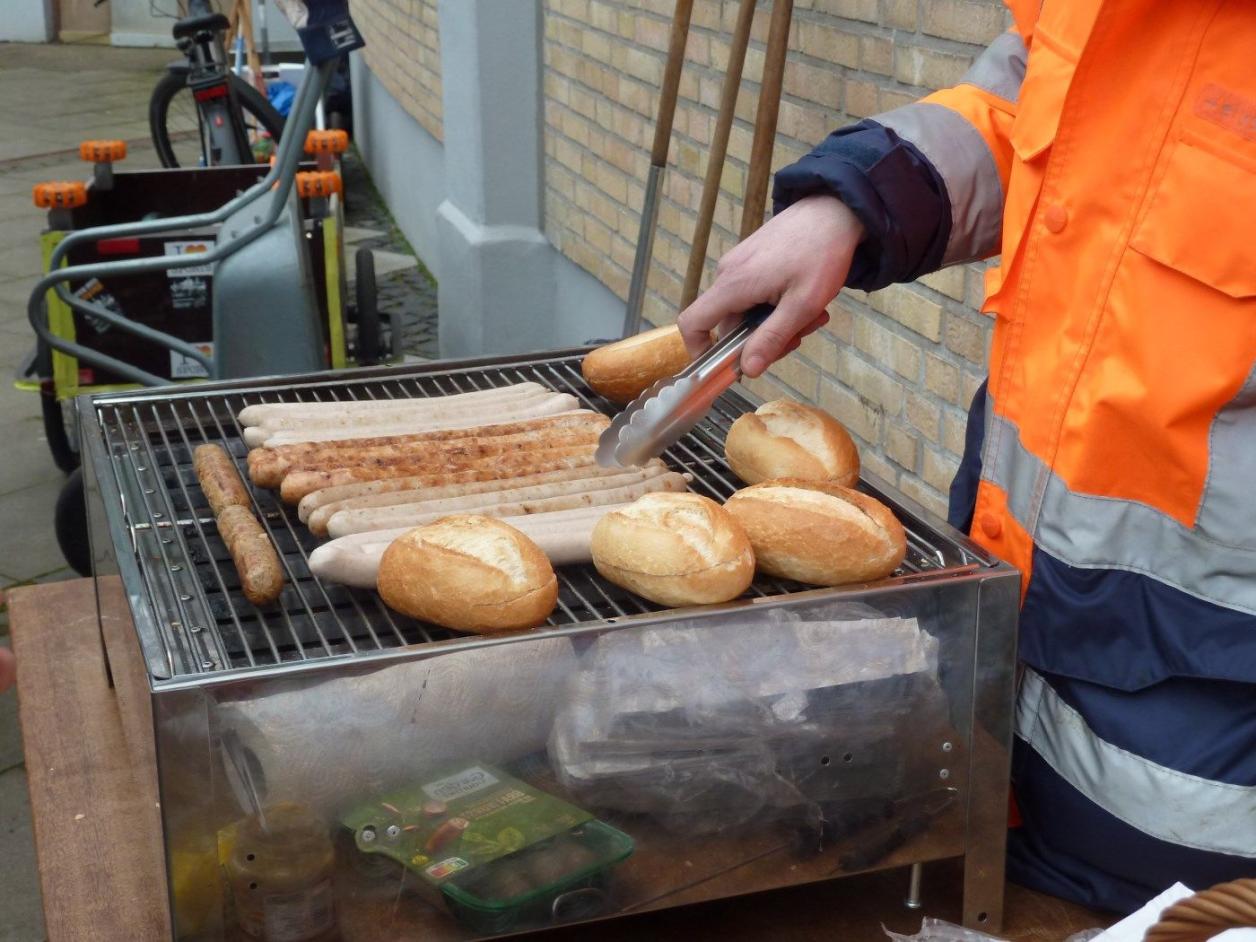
(202, 620)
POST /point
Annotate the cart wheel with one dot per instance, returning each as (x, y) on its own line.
(64, 455)
(366, 297)
(71, 524)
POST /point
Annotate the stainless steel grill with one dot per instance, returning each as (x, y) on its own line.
(203, 624)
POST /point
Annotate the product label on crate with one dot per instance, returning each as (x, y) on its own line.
(295, 917)
(451, 865)
(198, 247)
(93, 291)
(182, 367)
(464, 783)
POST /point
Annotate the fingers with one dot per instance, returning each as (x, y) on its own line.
(772, 340)
(710, 310)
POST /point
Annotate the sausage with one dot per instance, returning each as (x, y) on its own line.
(258, 414)
(351, 415)
(455, 455)
(471, 494)
(433, 486)
(268, 466)
(219, 479)
(401, 424)
(564, 536)
(541, 499)
(256, 562)
(299, 483)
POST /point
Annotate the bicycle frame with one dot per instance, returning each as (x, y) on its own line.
(224, 138)
(268, 198)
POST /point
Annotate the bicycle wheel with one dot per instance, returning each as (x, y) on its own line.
(60, 432)
(175, 123)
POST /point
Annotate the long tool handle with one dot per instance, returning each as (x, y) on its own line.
(719, 151)
(658, 164)
(765, 118)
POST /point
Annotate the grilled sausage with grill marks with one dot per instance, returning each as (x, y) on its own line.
(261, 574)
(219, 479)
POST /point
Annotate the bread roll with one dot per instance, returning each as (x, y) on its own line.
(785, 439)
(469, 573)
(819, 533)
(622, 370)
(674, 549)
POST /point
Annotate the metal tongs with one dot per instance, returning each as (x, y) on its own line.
(661, 415)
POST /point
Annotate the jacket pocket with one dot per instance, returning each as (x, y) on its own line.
(1199, 220)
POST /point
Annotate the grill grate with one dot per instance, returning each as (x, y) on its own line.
(205, 624)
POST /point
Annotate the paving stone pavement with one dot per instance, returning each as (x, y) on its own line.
(44, 113)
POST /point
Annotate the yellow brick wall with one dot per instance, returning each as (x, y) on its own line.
(898, 366)
(403, 52)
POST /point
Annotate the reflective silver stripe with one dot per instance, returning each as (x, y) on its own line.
(1092, 532)
(1173, 806)
(1001, 68)
(1225, 508)
(963, 159)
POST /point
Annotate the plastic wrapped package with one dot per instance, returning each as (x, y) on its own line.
(938, 930)
(708, 728)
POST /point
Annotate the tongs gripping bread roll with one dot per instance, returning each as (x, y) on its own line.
(469, 573)
(621, 371)
(786, 439)
(819, 533)
(674, 549)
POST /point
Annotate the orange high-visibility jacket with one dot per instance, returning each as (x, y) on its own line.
(1106, 151)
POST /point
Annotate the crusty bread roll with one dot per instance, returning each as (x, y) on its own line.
(674, 549)
(785, 439)
(819, 533)
(469, 573)
(622, 370)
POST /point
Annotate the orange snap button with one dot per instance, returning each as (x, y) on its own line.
(60, 194)
(991, 526)
(327, 142)
(1055, 218)
(318, 183)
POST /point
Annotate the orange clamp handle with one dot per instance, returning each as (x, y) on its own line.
(60, 194)
(318, 183)
(327, 142)
(100, 152)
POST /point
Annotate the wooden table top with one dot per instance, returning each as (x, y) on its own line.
(97, 824)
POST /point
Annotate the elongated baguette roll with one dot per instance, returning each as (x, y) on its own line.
(674, 549)
(819, 533)
(257, 415)
(469, 573)
(299, 483)
(564, 536)
(507, 504)
(621, 371)
(785, 439)
(400, 423)
(269, 469)
(462, 498)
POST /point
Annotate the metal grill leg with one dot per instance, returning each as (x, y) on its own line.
(913, 888)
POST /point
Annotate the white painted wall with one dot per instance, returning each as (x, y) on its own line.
(26, 21)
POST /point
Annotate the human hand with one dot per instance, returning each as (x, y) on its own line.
(797, 261)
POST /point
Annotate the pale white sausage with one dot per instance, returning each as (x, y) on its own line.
(258, 414)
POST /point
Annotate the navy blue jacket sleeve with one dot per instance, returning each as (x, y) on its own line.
(893, 190)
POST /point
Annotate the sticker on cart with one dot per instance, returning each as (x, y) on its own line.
(182, 367)
(463, 783)
(198, 247)
(190, 293)
(93, 291)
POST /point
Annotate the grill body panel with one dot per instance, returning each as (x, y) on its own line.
(216, 667)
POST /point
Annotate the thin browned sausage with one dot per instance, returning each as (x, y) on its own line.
(219, 478)
(261, 574)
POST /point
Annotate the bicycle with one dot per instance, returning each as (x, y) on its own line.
(203, 114)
